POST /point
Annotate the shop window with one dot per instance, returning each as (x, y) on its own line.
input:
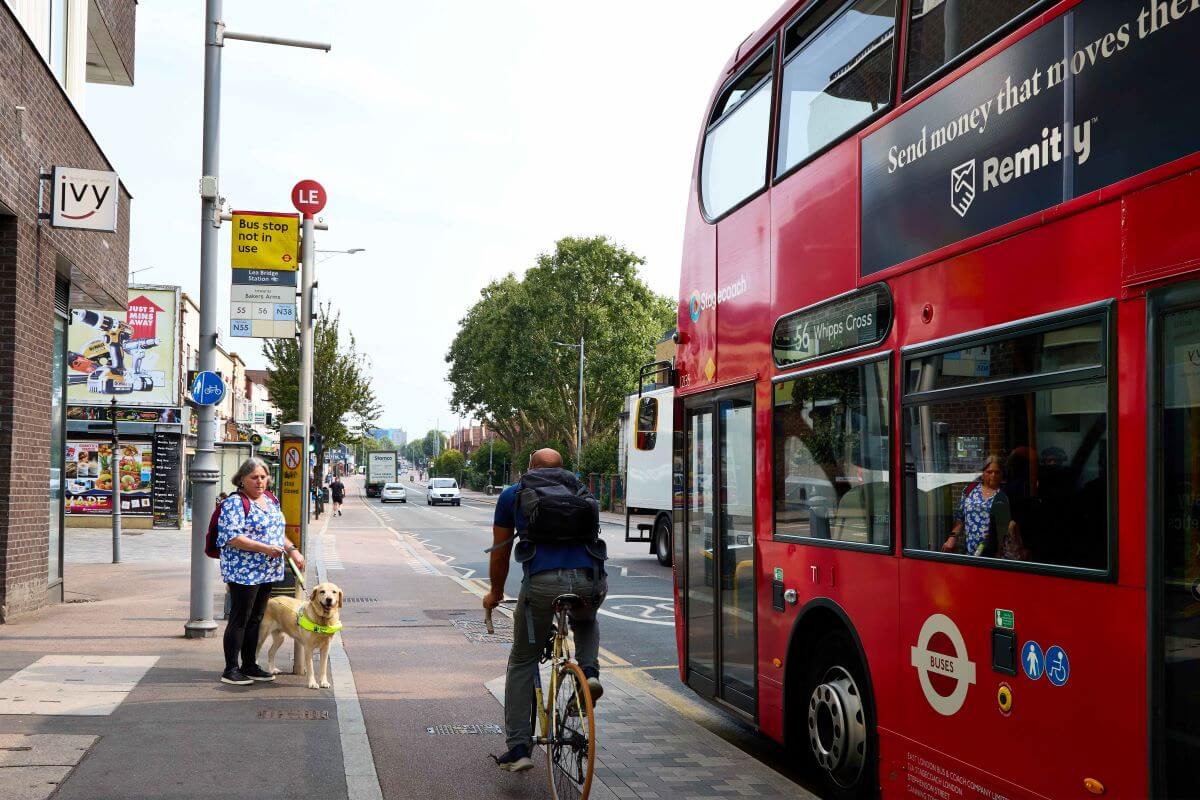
(1006, 448)
(831, 445)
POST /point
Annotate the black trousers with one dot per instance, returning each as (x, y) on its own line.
(247, 606)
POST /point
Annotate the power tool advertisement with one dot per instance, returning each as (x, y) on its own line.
(126, 354)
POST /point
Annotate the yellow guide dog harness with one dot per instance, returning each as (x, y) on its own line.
(309, 625)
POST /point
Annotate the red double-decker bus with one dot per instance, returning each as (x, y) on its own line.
(937, 473)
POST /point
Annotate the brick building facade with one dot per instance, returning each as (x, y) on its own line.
(48, 50)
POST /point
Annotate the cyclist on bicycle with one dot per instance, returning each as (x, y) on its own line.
(560, 553)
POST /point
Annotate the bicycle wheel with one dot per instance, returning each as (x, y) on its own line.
(571, 751)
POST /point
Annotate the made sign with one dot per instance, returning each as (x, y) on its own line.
(84, 198)
(1098, 94)
(265, 240)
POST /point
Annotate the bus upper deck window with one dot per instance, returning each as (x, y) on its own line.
(734, 164)
(837, 72)
(941, 30)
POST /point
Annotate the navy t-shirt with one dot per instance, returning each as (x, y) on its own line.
(546, 556)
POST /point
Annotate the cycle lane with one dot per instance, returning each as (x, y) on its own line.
(647, 747)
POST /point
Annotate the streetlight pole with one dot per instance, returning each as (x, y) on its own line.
(205, 471)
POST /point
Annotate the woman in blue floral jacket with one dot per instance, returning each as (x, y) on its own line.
(253, 547)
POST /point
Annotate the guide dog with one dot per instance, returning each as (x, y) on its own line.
(311, 624)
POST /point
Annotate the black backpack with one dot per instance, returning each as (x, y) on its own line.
(557, 507)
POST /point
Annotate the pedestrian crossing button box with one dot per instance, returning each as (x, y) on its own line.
(1004, 651)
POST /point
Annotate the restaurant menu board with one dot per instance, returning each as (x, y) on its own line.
(168, 457)
(89, 477)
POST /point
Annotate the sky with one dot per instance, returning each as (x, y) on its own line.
(456, 142)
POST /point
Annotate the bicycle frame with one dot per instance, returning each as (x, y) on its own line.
(559, 655)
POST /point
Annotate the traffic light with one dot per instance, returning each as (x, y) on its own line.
(315, 446)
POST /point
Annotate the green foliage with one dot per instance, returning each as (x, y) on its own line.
(449, 464)
(501, 461)
(600, 456)
(521, 461)
(508, 372)
(429, 444)
(344, 404)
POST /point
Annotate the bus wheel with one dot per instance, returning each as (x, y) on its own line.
(662, 541)
(838, 724)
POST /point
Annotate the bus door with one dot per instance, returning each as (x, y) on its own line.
(719, 571)
(1174, 458)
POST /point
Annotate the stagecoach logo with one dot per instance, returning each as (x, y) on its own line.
(962, 187)
(955, 666)
(700, 301)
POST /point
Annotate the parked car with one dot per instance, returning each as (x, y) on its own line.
(442, 490)
(393, 491)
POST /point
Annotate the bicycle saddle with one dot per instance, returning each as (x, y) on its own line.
(569, 600)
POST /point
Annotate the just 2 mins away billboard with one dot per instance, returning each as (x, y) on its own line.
(1101, 93)
(129, 354)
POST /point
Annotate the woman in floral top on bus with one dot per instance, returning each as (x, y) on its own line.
(983, 511)
(250, 533)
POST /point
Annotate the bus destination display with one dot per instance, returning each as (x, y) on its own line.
(1099, 94)
(858, 320)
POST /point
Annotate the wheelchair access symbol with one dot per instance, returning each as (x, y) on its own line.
(1058, 666)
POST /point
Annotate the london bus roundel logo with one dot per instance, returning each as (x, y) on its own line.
(954, 666)
(694, 307)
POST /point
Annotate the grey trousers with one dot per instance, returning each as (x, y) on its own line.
(539, 591)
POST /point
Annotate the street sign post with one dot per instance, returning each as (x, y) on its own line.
(207, 389)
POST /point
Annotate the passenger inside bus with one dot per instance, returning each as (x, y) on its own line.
(1040, 400)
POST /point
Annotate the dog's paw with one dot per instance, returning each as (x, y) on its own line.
(313, 685)
(325, 684)
(275, 671)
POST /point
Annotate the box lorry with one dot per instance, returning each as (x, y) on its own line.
(381, 469)
(647, 437)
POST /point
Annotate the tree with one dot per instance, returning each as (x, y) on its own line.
(506, 369)
(450, 464)
(344, 404)
(600, 455)
(499, 456)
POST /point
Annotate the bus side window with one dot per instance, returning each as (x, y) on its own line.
(941, 30)
(647, 423)
(837, 72)
(1019, 473)
(831, 444)
(734, 165)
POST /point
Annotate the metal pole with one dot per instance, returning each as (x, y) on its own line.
(307, 254)
(204, 471)
(579, 428)
(114, 471)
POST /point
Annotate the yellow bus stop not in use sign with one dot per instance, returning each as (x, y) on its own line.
(265, 240)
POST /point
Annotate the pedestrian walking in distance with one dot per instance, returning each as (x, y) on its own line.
(338, 490)
(557, 523)
(250, 533)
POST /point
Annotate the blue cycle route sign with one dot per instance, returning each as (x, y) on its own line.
(207, 389)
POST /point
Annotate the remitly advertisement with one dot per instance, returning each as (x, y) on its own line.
(1101, 93)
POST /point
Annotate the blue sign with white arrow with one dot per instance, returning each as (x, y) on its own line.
(207, 389)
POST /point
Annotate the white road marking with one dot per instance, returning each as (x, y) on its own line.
(650, 611)
(362, 782)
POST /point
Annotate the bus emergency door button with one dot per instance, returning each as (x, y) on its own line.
(1004, 651)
